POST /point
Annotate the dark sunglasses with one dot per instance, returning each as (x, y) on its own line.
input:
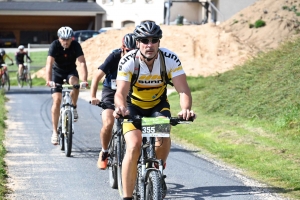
(146, 40)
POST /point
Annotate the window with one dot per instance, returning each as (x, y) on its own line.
(108, 23)
(128, 23)
(127, 1)
(108, 2)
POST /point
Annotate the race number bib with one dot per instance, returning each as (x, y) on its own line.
(113, 84)
(156, 127)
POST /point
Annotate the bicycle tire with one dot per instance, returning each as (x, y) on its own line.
(61, 136)
(69, 133)
(139, 187)
(112, 163)
(6, 82)
(19, 80)
(153, 189)
(29, 80)
(121, 149)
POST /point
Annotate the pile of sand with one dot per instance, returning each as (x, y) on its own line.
(210, 49)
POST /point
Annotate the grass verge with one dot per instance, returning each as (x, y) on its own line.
(3, 175)
(249, 117)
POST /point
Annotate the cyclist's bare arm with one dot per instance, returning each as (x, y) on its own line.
(49, 63)
(83, 69)
(120, 98)
(94, 86)
(184, 91)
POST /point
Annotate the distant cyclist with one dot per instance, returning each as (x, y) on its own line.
(147, 95)
(110, 69)
(3, 56)
(20, 54)
(61, 64)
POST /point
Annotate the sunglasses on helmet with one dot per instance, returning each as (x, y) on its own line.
(146, 40)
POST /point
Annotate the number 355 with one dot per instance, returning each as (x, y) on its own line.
(149, 129)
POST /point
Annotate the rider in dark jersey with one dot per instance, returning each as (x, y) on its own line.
(110, 69)
(61, 64)
(19, 56)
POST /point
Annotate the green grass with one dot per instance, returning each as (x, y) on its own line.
(249, 117)
(3, 174)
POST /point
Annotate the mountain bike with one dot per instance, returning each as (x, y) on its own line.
(65, 127)
(5, 80)
(150, 176)
(116, 151)
(25, 76)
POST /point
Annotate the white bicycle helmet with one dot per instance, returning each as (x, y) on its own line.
(2, 52)
(65, 32)
(21, 47)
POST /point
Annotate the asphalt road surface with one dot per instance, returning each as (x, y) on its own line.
(39, 170)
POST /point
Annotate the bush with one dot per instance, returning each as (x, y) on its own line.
(259, 23)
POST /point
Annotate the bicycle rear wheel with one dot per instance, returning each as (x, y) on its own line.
(153, 186)
(5, 81)
(69, 133)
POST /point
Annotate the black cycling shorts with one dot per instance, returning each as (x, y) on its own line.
(108, 96)
(58, 76)
(161, 109)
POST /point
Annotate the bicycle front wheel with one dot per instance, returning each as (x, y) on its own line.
(29, 80)
(19, 79)
(69, 133)
(121, 149)
(112, 163)
(153, 186)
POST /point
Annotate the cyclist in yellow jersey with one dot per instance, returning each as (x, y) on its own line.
(148, 96)
(3, 56)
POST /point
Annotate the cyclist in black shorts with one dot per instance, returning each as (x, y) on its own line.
(110, 69)
(61, 64)
(19, 56)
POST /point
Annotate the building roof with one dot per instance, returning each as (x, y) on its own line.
(51, 6)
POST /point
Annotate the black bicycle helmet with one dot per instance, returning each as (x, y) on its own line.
(129, 41)
(147, 29)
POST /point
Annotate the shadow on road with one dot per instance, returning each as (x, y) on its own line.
(177, 191)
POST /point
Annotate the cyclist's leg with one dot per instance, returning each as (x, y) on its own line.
(107, 125)
(163, 145)
(129, 166)
(133, 138)
(73, 79)
(57, 97)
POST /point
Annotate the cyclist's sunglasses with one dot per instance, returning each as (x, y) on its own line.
(146, 40)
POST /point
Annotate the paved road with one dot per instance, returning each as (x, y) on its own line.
(39, 170)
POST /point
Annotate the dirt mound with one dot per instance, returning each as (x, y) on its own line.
(209, 49)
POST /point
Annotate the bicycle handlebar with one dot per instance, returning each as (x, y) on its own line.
(104, 105)
(137, 118)
(173, 120)
(61, 86)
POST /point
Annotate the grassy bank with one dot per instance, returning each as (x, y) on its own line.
(250, 118)
(3, 174)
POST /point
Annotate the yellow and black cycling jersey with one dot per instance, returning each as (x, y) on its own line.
(149, 88)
